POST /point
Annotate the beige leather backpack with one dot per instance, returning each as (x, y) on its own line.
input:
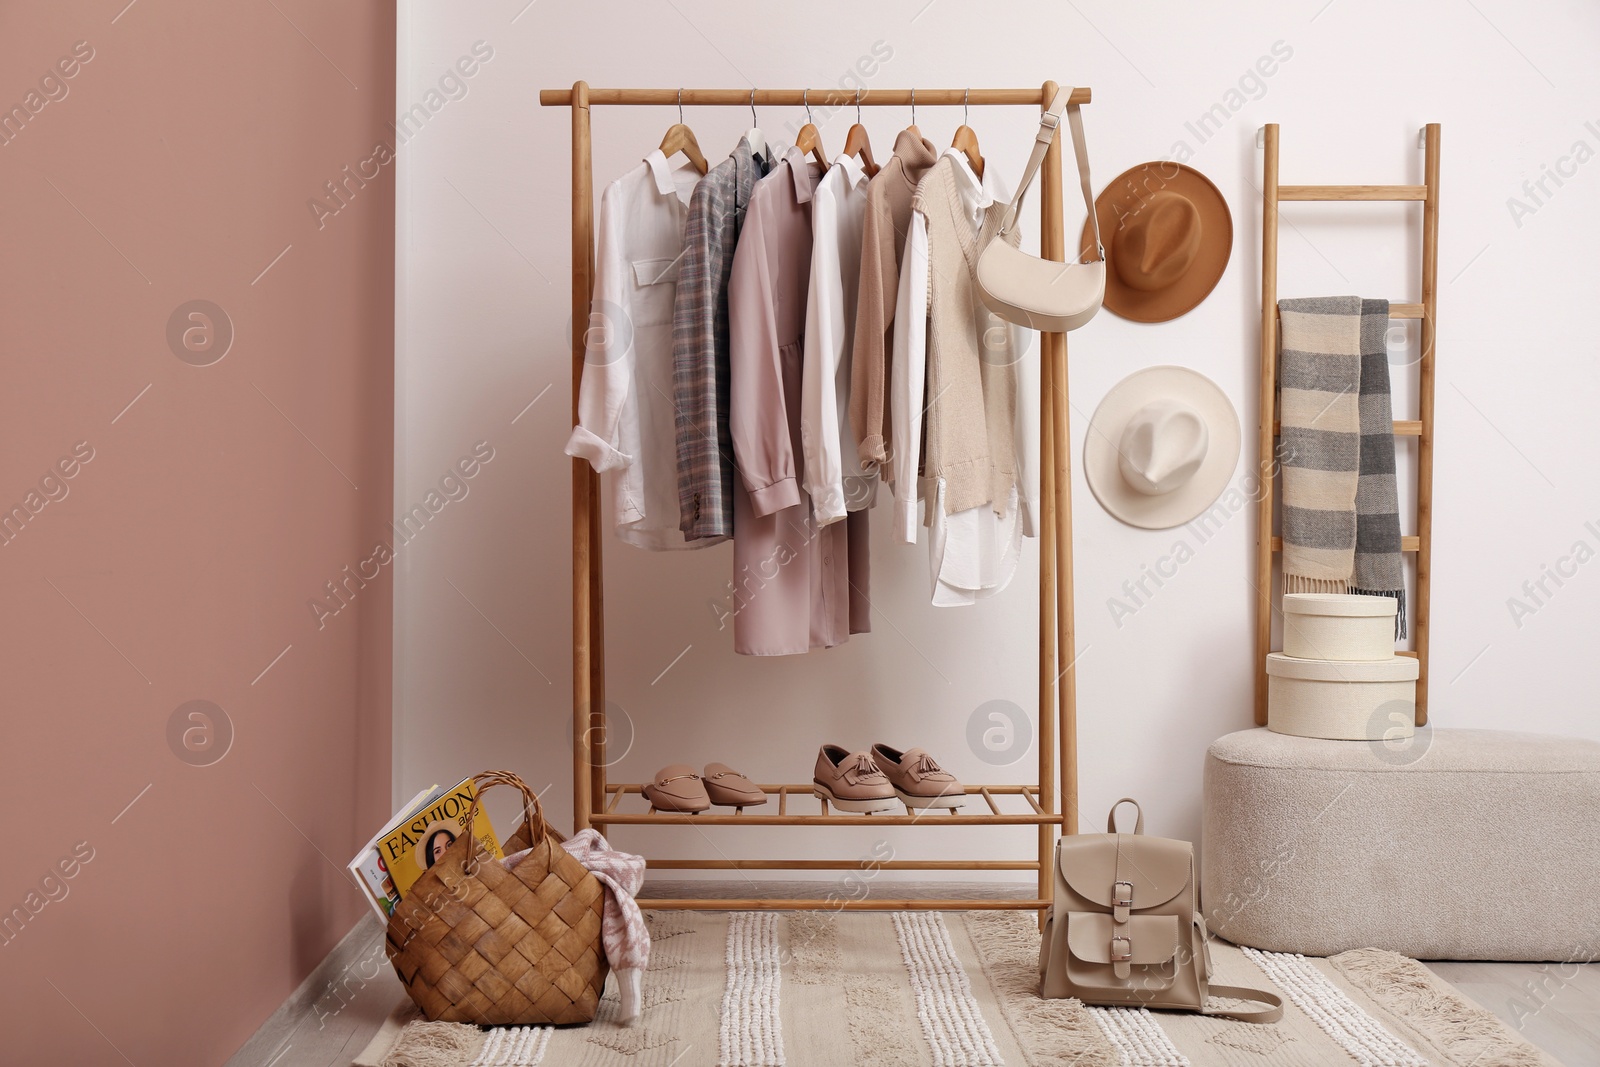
(1126, 931)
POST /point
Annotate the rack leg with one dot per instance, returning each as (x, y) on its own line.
(583, 500)
(1066, 629)
(1052, 245)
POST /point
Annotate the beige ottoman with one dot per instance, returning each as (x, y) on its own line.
(1467, 845)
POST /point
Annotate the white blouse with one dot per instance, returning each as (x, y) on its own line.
(625, 418)
(972, 554)
(831, 469)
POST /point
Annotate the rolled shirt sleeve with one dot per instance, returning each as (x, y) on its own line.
(606, 388)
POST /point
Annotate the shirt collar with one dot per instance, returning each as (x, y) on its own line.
(854, 169)
(666, 182)
(662, 172)
(800, 170)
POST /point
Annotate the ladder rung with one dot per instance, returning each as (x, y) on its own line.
(1352, 192)
(1408, 543)
(1399, 311)
(1402, 428)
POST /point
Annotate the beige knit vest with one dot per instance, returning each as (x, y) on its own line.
(971, 381)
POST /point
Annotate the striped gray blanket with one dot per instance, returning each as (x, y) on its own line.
(1341, 522)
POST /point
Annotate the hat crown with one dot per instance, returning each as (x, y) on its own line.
(1156, 244)
(1162, 446)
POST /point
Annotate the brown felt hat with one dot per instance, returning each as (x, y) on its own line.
(1168, 234)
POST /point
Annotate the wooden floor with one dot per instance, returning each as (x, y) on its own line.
(1554, 1005)
(333, 1015)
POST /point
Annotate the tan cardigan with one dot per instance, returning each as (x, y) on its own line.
(969, 440)
(883, 239)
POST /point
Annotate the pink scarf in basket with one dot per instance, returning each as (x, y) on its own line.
(622, 929)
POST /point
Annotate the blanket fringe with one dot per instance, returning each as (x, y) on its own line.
(1398, 595)
(1298, 583)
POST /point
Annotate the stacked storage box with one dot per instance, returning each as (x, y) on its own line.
(1337, 676)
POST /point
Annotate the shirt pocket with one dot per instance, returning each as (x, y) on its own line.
(655, 284)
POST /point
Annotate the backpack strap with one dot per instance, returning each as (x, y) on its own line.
(1270, 1014)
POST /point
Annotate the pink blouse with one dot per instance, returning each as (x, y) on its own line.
(796, 586)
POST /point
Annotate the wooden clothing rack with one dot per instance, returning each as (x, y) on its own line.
(597, 802)
(1272, 194)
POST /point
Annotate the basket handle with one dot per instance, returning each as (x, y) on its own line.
(532, 810)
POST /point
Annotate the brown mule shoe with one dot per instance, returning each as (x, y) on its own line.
(728, 787)
(677, 788)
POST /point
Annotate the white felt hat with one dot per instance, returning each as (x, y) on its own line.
(1161, 447)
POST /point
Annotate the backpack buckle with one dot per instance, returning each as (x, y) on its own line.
(1119, 897)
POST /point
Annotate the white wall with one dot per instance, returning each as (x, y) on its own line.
(482, 643)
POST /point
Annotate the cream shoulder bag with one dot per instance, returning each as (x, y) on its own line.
(1125, 930)
(1040, 293)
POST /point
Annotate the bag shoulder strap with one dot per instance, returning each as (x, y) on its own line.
(1270, 1014)
(1048, 122)
(1274, 1003)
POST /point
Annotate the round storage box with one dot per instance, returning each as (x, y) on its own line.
(1338, 626)
(1342, 700)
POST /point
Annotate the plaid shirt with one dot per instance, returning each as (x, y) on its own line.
(700, 344)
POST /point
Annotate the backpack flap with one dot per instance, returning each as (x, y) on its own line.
(1138, 954)
(1102, 868)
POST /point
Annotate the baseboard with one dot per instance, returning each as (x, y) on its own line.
(310, 998)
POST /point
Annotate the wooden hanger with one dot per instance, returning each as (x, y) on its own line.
(680, 138)
(856, 142)
(810, 139)
(966, 140)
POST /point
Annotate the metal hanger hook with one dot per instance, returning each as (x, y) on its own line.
(913, 107)
(964, 94)
(753, 120)
(680, 106)
(805, 99)
(858, 105)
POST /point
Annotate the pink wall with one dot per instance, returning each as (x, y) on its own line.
(206, 507)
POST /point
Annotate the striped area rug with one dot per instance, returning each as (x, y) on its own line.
(958, 989)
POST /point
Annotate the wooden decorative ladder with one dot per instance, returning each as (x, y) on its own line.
(1272, 194)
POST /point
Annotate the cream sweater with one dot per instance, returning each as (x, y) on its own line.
(971, 389)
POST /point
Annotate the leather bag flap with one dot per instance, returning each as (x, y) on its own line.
(1151, 939)
(1158, 868)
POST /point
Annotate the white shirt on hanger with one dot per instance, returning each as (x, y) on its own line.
(831, 469)
(973, 553)
(625, 419)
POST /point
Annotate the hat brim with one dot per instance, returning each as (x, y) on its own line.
(1101, 460)
(1119, 202)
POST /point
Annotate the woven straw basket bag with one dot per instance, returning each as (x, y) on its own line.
(476, 943)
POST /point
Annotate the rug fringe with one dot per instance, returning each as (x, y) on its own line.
(1465, 1032)
(425, 1044)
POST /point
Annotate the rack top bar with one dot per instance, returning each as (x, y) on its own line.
(833, 97)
